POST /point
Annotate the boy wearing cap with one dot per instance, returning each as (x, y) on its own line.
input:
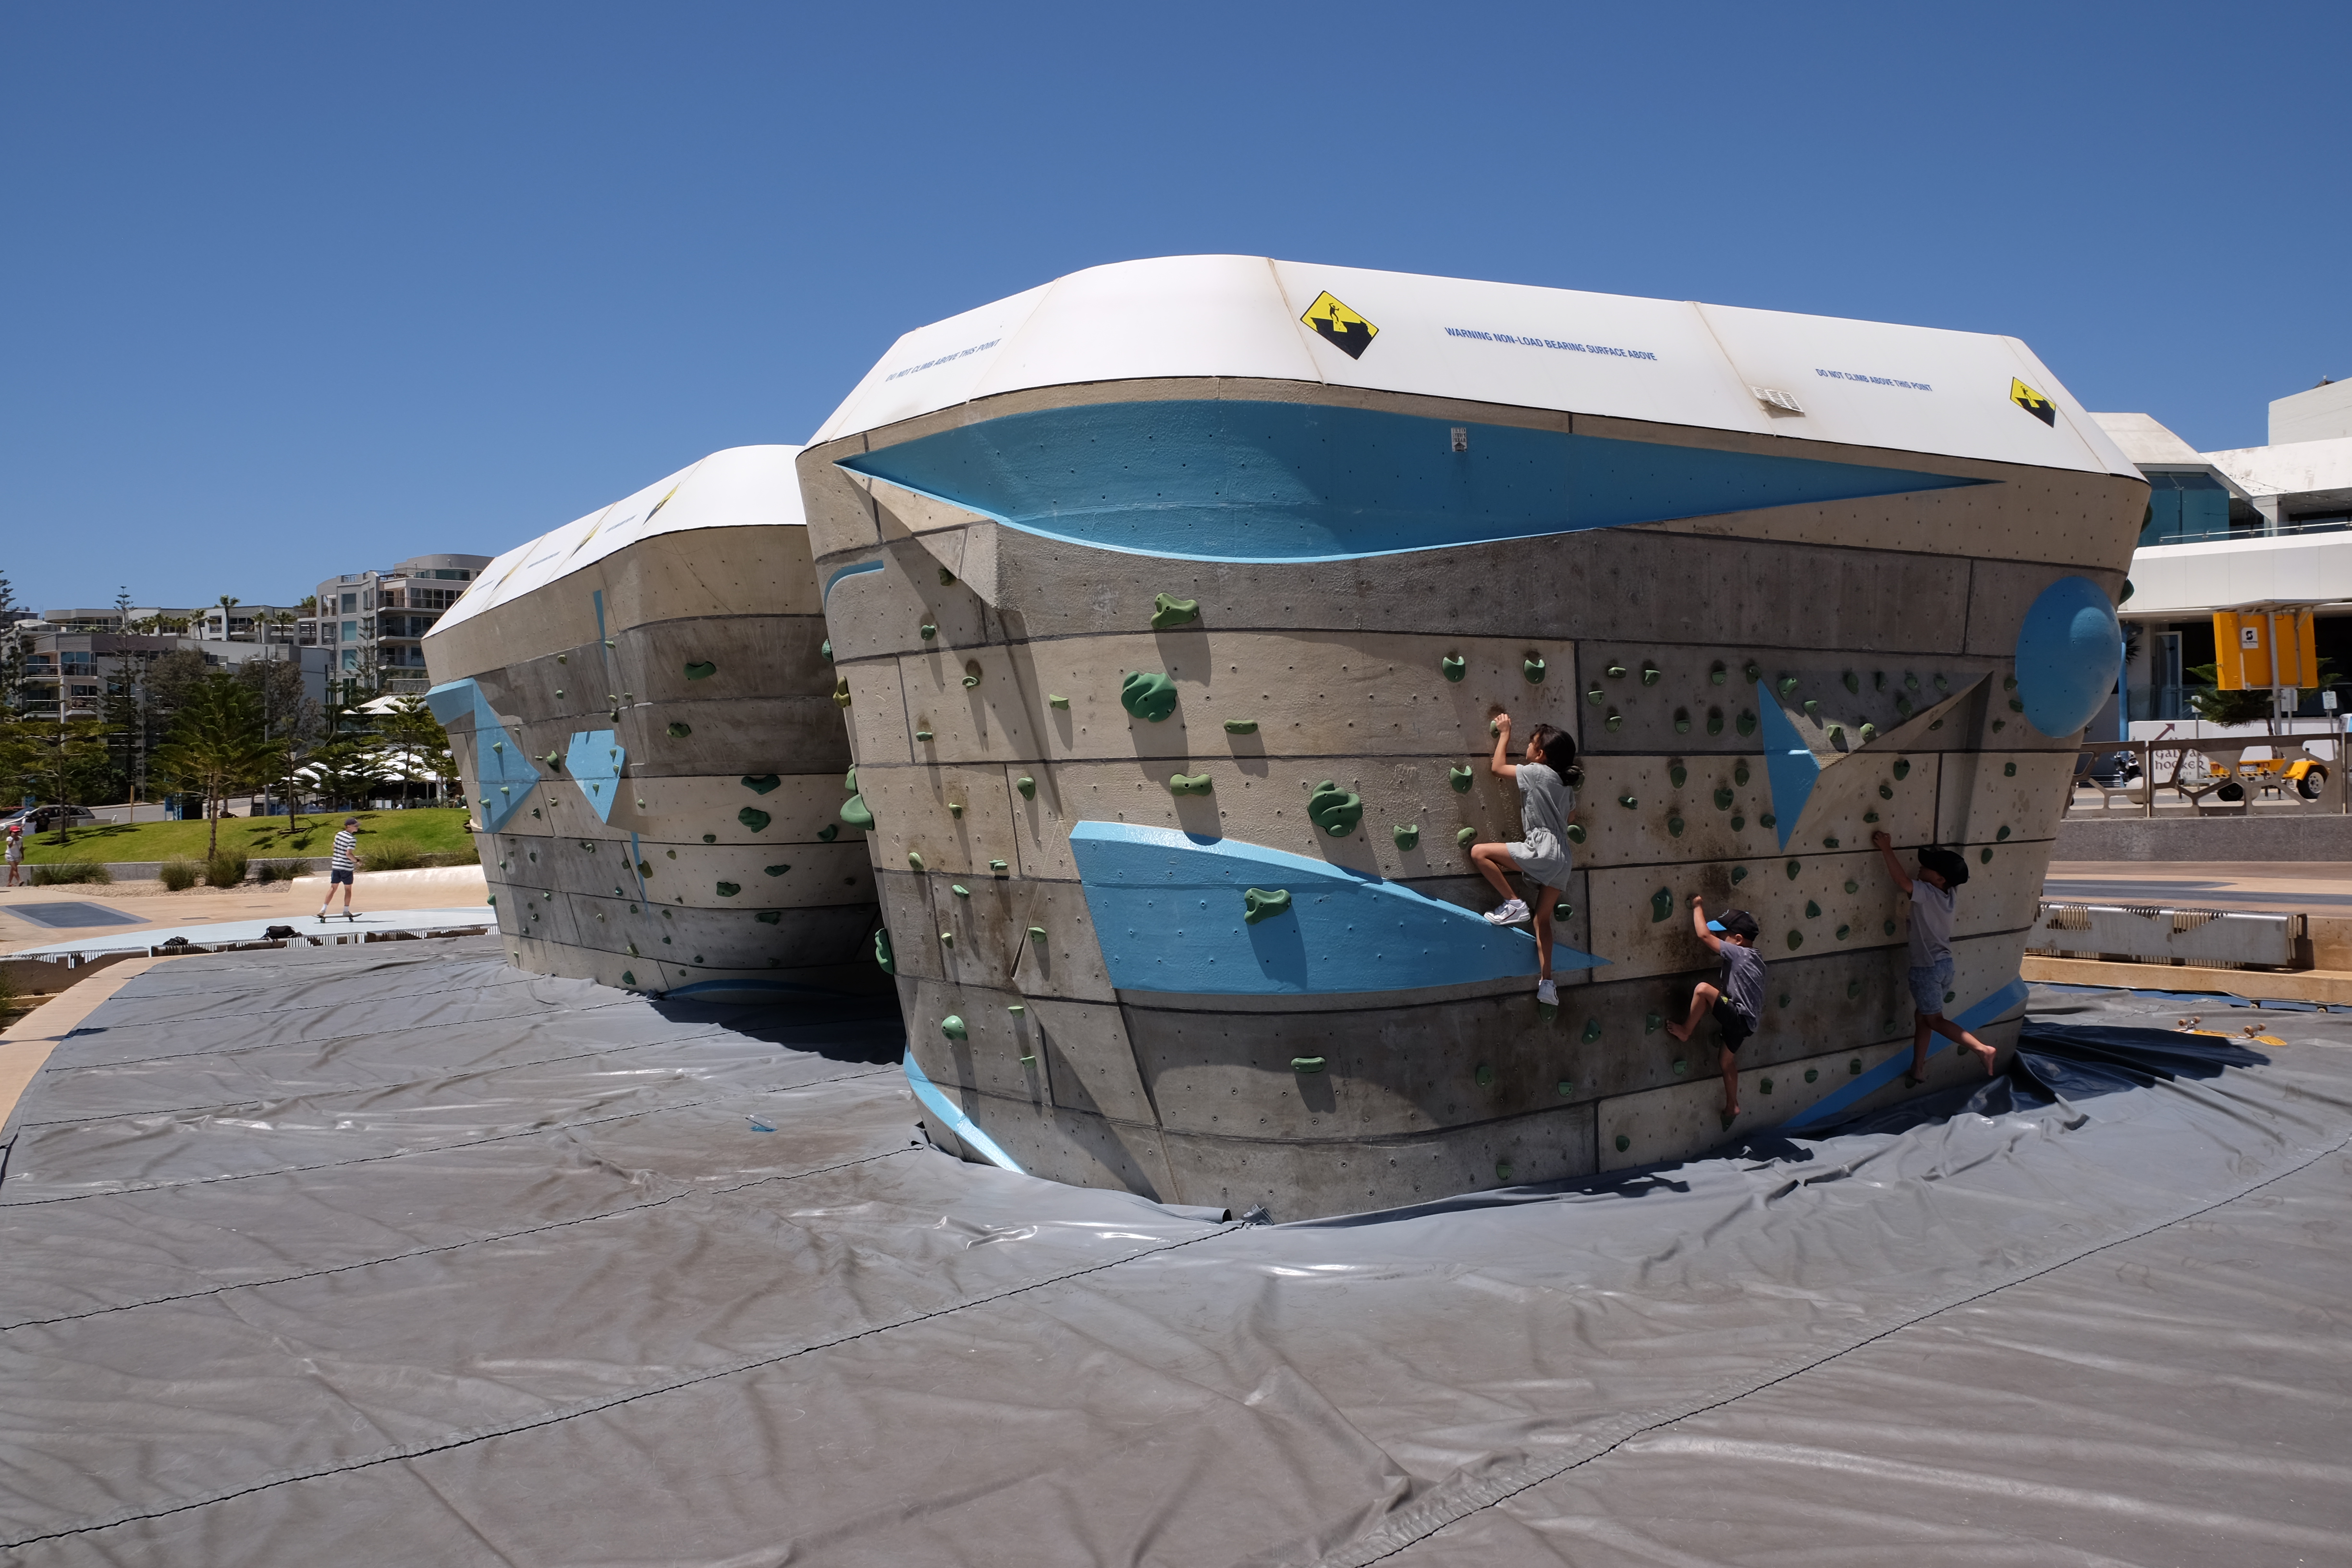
(1738, 1002)
(1940, 873)
(16, 850)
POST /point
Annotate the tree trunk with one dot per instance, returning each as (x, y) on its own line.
(212, 818)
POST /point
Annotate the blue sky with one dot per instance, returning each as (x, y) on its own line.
(295, 290)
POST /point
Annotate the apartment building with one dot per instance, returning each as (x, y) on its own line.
(370, 625)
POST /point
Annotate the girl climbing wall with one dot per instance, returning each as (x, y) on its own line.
(1546, 781)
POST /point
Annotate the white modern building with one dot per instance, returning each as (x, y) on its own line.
(371, 624)
(2270, 524)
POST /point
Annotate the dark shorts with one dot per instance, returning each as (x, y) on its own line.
(1736, 1029)
(339, 878)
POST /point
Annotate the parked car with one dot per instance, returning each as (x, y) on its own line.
(45, 818)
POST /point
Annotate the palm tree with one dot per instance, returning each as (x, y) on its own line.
(227, 602)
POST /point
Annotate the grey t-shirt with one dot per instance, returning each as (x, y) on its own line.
(1544, 801)
(1743, 980)
(1931, 924)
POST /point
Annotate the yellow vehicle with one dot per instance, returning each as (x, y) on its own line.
(2307, 774)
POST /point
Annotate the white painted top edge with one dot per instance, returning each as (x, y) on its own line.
(741, 487)
(1861, 383)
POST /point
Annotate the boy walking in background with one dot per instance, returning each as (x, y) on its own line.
(16, 850)
(1738, 1002)
(1941, 872)
(344, 867)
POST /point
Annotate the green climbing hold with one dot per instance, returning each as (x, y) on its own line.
(1812, 909)
(1027, 786)
(728, 889)
(914, 859)
(701, 669)
(1565, 1088)
(1796, 939)
(711, 839)
(1335, 810)
(1677, 774)
(770, 917)
(1406, 834)
(1649, 673)
(1716, 675)
(777, 870)
(1264, 903)
(1662, 904)
(1306, 1064)
(1844, 933)
(1765, 1085)
(825, 650)
(1853, 989)
(1459, 778)
(628, 977)
(1149, 695)
(1890, 927)
(923, 735)
(1628, 801)
(753, 818)
(971, 674)
(1829, 843)
(1910, 681)
(1886, 792)
(644, 868)
(1674, 826)
(2001, 836)
(1594, 695)
(1168, 611)
(1753, 671)
(946, 577)
(1467, 833)
(953, 1028)
(955, 808)
(1901, 767)
(1188, 783)
(857, 812)
(930, 631)
(1786, 684)
(1984, 856)
(1852, 886)
(1855, 1067)
(1682, 720)
(1534, 670)
(1614, 721)
(1853, 681)
(1240, 726)
(1746, 723)
(1837, 736)
(1739, 874)
(1575, 833)
(832, 830)
(1624, 1142)
(1592, 1030)
(2008, 770)
(1652, 1024)
(763, 783)
(1870, 816)
(2009, 683)
(1784, 998)
(1485, 1075)
(1999, 725)
(1869, 733)
(680, 732)
(1724, 797)
(1681, 1066)
(1903, 707)
(1739, 772)
(947, 938)
(1616, 672)
(1502, 1169)
(1715, 720)
(1738, 822)
(1941, 684)
(1054, 701)
(1794, 867)
(2017, 705)
(1453, 667)
(1811, 1073)
(554, 760)
(1812, 706)
(997, 866)
(1769, 820)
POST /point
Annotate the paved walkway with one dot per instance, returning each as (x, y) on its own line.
(158, 911)
(2316, 887)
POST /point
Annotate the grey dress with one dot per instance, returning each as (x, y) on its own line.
(1544, 801)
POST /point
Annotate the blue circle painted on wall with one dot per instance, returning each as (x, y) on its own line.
(2068, 656)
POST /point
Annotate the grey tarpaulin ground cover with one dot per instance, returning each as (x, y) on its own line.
(394, 1254)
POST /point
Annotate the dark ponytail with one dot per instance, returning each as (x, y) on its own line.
(1558, 749)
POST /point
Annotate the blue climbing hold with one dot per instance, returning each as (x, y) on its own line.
(2067, 655)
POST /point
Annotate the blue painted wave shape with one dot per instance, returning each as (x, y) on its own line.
(1168, 912)
(1227, 480)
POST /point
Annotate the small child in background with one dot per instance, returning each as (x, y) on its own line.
(1941, 872)
(1738, 1002)
(1547, 780)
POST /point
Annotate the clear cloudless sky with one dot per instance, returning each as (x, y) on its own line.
(293, 290)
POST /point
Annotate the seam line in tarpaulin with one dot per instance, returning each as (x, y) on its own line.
(594, 1407)
(6, 1204)
(491, 1239)
(327, 1091)
(1434, 1513)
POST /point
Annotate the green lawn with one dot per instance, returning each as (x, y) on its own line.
(262, 838)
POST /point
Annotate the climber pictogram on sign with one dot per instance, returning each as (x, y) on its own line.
(2032, 402)
(1341, 328)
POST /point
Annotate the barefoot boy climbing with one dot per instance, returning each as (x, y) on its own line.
(1739, 1002)
(1940, 872)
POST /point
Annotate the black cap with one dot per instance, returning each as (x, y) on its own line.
(1953, 867)
(1736, 923)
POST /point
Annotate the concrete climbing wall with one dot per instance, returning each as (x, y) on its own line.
(1170, 695)
(642, 707)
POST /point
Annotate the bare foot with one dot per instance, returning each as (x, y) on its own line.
(1990, 1057)
(1730, 1114)
(1679, 1031)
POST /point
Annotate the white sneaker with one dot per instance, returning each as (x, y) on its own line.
(1547, 992)
(1510, 914)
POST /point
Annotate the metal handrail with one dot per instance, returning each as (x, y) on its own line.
(2339, 775)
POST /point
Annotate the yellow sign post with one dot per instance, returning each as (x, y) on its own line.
(2261, 649)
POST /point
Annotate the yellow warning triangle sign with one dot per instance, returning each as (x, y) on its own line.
(1340, 327)
(2032, 402)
